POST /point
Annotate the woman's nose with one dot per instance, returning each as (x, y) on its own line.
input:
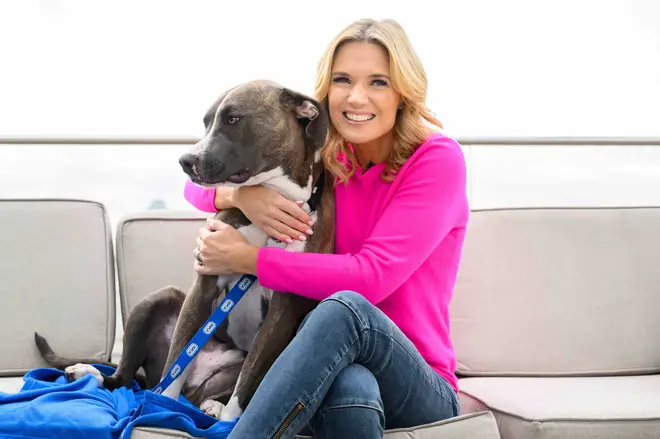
(357, 95)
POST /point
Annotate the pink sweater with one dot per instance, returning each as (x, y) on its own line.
(398, 244)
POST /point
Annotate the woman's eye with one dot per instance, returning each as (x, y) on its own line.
(232, 119)
(340, 79)
(380, 83)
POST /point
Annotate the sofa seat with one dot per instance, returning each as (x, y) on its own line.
(480, 425)
(612, 407)
(11, 384)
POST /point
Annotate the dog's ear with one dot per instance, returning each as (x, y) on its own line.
(310, 113)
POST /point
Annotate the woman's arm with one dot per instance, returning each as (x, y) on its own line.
(281, 218)
(430, 201)
(200, 197)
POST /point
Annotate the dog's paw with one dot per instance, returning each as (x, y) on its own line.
(80, 370)
(212, 408)
(231, 411)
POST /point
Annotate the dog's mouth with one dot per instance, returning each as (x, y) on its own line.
(240, 177)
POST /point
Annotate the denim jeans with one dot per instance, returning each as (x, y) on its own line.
(348, 373)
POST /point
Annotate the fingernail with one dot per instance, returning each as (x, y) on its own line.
(310, 223)
(289, 240)
(309, 231)
(302, 238)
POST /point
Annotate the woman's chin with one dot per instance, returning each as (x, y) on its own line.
(356, 137)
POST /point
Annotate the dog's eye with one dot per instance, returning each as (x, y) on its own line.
(232, 119)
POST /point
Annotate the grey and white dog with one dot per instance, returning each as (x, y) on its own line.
(256, 133)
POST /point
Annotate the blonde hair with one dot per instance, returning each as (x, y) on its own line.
(408, 79)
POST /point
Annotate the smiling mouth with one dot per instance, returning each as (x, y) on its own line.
(353, 117)
(240, 177)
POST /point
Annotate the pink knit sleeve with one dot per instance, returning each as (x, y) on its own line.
(200, 197)
(429, 201)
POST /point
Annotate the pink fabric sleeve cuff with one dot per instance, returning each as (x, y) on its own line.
(200, 197)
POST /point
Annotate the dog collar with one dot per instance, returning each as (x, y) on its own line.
(272, 242)
(317, 192)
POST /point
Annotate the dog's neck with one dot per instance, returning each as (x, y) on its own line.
(279, 181)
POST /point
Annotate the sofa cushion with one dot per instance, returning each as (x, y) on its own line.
(11, 384)
(537, 284)
(568, 407)
(58, 279)
(154, 249)
(473, 426)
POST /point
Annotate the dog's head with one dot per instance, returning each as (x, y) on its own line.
(257, 131)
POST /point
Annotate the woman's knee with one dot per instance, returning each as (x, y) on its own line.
(352, 300)
(347, 306)
(346, 295)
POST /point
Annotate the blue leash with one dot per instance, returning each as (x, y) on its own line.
(206, 331)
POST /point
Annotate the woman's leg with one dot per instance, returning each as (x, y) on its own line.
(345, 329)
(352, 408)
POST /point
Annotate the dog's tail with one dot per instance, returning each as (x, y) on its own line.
(60, 362)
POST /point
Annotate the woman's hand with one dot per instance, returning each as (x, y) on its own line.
(221, 249)
(279, 217)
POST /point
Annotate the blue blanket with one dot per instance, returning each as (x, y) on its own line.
(47, 406)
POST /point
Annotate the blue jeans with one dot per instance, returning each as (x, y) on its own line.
(348, 373)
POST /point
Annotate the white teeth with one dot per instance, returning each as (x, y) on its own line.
(359, 117)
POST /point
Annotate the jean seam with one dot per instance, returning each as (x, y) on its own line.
(403, 404)
(315, 395)
(345, 406)
(419, 368)
(363, 325)
(390, 348)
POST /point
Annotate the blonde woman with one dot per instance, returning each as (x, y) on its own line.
(376, 353)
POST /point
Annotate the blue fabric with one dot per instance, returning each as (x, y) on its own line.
(47, 406)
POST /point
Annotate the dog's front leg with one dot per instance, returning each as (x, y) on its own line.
(195, 310)
(285, 314)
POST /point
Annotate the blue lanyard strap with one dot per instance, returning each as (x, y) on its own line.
(206, 331)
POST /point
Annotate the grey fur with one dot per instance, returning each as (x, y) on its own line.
(277, 128)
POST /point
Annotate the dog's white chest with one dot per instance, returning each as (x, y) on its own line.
(297, 245)
(254, 235)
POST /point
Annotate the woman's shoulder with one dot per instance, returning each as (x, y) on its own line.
(440, 142)
(437, 151)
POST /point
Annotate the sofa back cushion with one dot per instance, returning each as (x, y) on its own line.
(555, 291)
(154, 250)
(58, 279)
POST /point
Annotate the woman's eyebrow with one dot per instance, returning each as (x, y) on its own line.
(375, 75)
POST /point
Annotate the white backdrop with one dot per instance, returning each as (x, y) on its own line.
(505, 68)
(496, 68)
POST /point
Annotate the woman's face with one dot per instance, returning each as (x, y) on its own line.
(361, 100)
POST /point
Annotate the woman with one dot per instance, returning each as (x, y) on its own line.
(375, 354)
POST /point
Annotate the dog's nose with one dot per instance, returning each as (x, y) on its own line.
(189, 163)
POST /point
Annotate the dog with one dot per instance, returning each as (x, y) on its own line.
(257, 133)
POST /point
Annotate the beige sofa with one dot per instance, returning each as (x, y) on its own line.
(58, 274)
(556, 314)
(556, 322)
(155, 249)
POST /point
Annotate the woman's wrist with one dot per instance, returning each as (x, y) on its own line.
(224, 198)
(246, 261)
